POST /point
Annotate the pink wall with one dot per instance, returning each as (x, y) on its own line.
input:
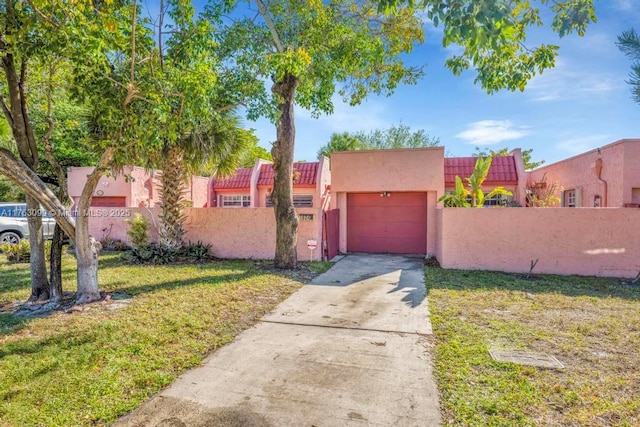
(621, 170)
(419, 169)
(140, 186)
(234, 233)
(589, 241)
(406, 170)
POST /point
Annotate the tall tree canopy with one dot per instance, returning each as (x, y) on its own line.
(493, 35)
(400, 136)
(527, 159)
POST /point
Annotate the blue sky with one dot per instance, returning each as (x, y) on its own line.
(582, 103)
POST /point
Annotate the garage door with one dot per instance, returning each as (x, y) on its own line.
(109, 202)
(394, 224)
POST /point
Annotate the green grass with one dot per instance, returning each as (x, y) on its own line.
(319, 266)
(592, 325)
(88, 368)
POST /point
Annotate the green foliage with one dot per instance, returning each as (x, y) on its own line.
(459, 198)
(17, 253)
(529, 163)
(161, 254)
(138, 231)
(325, 45)
(249, 156)
(493, 35)
(629, 44)
(394, 137)
(9, 192)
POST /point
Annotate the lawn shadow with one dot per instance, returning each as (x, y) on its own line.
(573, 286)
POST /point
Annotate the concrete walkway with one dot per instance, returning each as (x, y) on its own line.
(351, 348)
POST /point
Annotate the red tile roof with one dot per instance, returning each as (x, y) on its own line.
(240, 180)
(307, 173)
(502, 171)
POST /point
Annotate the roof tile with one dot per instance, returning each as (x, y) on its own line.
(307, 173)
(240, 180)
(502, 171)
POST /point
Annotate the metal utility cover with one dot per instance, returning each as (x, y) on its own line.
(541, 360)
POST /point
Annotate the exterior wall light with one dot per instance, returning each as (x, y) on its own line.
(385, 194)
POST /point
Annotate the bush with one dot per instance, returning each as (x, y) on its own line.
(21, 252)
(161, 254)
(138, 231)
(18, 252)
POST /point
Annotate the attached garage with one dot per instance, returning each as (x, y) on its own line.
(387, 222)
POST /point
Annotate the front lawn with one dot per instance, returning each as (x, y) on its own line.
(89, 367)
(591, 325)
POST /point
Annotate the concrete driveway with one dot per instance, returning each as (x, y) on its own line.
(351, 348)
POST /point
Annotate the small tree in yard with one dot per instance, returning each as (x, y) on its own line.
(99, 40)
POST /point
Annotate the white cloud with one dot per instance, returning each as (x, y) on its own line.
(488, 132)
(578, 144)
(563, 83)
(624, 5)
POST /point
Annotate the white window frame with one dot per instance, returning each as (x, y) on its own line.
(570, 198)
(234, 201)
(299, 201)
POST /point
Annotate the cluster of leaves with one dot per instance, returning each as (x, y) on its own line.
(17, 252)
(400, 136)
(138, 231)
(21, 252)
(461, 195)
(527, 159)
(629, 44)
(161, 254)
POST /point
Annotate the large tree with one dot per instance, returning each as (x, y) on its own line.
(400, 136)
(310, 49)
(100, 42)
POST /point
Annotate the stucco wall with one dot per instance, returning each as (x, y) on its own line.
(631, 172)
(139, 186)
(233, 233)
(589, 241)
(420, 169)
(620, 169)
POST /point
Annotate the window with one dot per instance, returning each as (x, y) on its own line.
(235, 201)
(299, 201)
(570, 198)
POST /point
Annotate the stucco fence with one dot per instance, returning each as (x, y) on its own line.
(233, 233)
(583, 241)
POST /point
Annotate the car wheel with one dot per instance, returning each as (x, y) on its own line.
(9, 237)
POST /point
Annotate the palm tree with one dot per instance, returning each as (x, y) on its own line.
(216, 146)
(629, 44)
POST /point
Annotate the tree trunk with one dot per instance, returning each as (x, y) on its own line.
(39, 282)
(286, 219)
(55, 267)
(87, 247)
(173, 185)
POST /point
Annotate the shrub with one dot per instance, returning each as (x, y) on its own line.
(138, 231)
(161, 254)
(18, 252)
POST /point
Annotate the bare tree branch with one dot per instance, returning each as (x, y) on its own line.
(271, 25)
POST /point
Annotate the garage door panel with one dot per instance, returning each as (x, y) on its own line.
(395, 224)
(108, 201)
(383, 214)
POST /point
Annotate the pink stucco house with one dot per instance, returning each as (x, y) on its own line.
(134, 187)
(608, 176)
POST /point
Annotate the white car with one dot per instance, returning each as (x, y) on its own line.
(14, 226)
